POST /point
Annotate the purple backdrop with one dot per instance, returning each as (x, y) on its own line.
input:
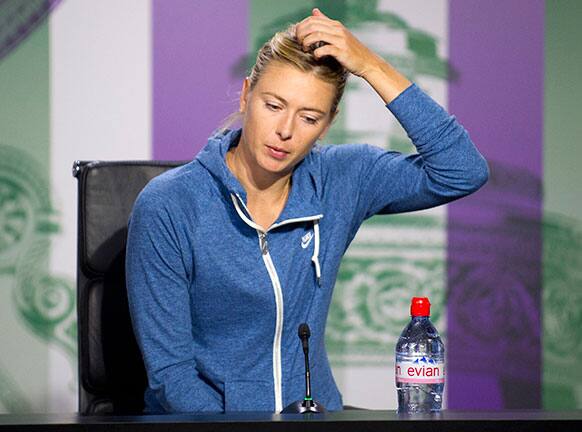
(494, 237)
(193, 76)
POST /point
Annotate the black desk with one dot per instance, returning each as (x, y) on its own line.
(352, 421)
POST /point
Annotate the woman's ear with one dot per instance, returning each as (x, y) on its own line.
(244, 94)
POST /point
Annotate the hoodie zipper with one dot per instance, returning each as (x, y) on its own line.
(277, 373)
(271, 270)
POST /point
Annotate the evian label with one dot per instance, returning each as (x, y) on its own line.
(422, 370)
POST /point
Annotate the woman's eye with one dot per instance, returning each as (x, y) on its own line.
(271, 106)
(310, 120)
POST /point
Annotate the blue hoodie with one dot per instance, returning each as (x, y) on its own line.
(216, 302)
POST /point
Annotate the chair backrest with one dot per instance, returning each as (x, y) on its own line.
(112, 377)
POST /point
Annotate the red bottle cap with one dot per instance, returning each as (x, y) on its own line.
(420, 306)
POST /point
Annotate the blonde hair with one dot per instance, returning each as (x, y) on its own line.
(284, 48)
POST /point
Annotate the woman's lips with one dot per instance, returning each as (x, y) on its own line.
(277, 153)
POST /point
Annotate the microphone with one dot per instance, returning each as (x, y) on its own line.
(303, 332)
(307, 405)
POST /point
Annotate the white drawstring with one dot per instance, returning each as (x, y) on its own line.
(315, 257)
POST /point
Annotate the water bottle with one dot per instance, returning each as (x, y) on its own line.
(420, 363)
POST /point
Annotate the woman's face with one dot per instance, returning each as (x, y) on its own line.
(283, 116)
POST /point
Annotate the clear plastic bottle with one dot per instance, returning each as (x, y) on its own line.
(420, 363)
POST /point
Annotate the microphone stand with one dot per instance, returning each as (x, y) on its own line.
(307, 404)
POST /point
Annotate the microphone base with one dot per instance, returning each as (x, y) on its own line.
(304, 406)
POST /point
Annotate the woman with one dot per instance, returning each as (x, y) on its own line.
(228, 254)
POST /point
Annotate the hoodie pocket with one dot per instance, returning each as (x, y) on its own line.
(247, 395)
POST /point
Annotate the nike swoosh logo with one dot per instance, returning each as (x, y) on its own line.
(306, 239)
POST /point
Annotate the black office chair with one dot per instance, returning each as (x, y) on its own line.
(112, 378)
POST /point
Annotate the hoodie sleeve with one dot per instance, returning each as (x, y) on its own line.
(158, 271)
(447, 165)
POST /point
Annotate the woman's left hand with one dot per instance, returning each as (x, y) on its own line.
(339, 43)
(331, 38)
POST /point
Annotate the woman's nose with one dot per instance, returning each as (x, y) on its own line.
(285, 127)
